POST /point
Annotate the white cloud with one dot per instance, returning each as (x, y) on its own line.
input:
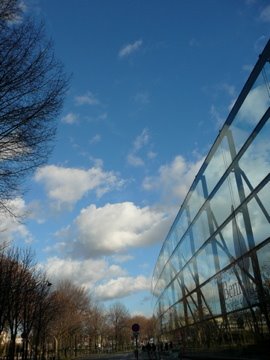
(255, 104)
(66, 186)
(151, 154)
(174, 179)
(95, 139)
(215, 114)
(11, 227)
(265, 14)
(87, 99)
(122, 287)
(113, 229)
(70, 118)
(130, 49)
(84, 273)
(139, 143)
(141, 140)
(104, 280)
(135, 160)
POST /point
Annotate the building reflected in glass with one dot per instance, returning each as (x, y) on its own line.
(212, 276)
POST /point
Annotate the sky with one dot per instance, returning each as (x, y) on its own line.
(152, 82)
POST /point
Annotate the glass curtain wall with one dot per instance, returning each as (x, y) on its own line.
(212, 277)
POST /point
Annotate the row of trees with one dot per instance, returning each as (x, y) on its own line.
(60, 319)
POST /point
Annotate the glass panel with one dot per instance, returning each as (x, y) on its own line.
(264, 261)
(192, 307)
(259, 209)
(217, 165)
(251, 112)
(180, 313)
(189, 277)
(224, 200)
(175, 261)
(177, 289)
(196, 200)
(200, 230)
(232, 241)
(255, 162)
(211, 305)
(184, 250)
(205, 263)
(239, 290)
(181, 225)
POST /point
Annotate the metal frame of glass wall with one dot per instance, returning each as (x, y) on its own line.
(212, 276)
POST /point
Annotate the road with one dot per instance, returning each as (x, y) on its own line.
(118, 356)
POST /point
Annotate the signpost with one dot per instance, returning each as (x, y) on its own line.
(136, 328)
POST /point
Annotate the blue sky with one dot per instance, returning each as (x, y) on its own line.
(152, 83)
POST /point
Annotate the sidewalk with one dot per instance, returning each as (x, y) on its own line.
(203, 355)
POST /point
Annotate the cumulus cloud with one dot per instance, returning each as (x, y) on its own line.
(104, 280)
(87, 99)
(11, 228)
(70, 118)
(65, 186)
(113, 229)
(130, 49)
(122, 287)
(174, 179)
(84, 273)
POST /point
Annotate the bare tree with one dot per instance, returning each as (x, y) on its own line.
(32, 87)
(10, 10)
(72, 304)
(118, 317)
(96, 327)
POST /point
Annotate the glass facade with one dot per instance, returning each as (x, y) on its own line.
(212, 277)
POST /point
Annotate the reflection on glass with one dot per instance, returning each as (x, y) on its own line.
(251, 112)
(255, 162)
(211, 306)
(224, 200)
(217, 165)
(205, 263)
(258, 209)
(189, 277)
(184, 250)
(200, 230)
(181, 224)
(214, 262)
(264, 261)
(195, 201)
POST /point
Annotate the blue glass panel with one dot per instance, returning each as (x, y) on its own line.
(200, 230)
(217, 165)
(196, 200)
(251, 111)
(259, 212)
(181, 224)
(205, 263)
(255, 163)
